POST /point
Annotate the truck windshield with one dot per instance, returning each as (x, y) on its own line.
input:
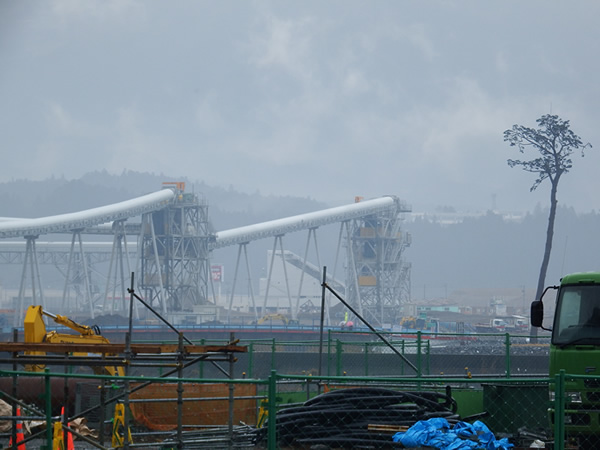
(577, 315)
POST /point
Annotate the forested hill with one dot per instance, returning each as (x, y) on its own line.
(228, 207)
(482, 252)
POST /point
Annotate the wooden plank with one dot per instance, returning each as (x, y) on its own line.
(387, 428)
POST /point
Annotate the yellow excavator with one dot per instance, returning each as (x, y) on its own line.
(35, 331)
(281, 317)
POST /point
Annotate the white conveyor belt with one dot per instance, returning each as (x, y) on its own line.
(65, 223)
(302, 221)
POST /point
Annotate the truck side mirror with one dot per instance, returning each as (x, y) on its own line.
(537, 313)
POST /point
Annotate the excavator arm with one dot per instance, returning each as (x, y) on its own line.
(35, 331)
(272, 317)
(281, 317)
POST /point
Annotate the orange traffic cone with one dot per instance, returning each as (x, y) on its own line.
(70, 445)
(20, 435)
(58, 442)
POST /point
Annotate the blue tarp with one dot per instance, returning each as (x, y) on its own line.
(437, 433)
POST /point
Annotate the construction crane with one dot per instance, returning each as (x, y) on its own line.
(35, 332)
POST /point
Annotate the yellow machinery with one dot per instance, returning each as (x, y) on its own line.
(414, 323)
(118, 428)
(35, 331)
(281, 317)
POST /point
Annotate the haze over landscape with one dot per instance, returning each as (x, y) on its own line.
(326, 100)
(467, 260)
(278, 108)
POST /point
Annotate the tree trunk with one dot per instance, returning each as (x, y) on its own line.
(548, 247)
(549, 236)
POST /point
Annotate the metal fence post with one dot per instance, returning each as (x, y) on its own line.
(428, 356)
(366, 359)
(201, 362)
(48, 394)
(102, 414)
(126, 416)
(329, 353)
(65, 406)
(231, 388)
(15, 381)
(419, 361)
(403, 347)
(272, 408)
(507, 347)
(559, 410)
(338, 357)
(180, 358)
(251, 360)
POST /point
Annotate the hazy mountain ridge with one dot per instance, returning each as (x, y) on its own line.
(228, 208)
(475, 252)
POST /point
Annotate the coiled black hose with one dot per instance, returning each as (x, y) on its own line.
(341, 418)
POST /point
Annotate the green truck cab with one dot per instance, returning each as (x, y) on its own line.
(575, 348)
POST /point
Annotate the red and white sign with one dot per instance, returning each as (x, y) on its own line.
(217, 272)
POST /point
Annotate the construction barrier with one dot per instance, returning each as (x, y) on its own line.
(20, 435)
(210, 408)
(118, 428)
(319, 404)
(58, 441)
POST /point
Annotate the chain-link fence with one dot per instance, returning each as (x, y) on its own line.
(359, 412)
(348, 391)
(295, 411)
(354, 412)
(128, 412)
(574, 409)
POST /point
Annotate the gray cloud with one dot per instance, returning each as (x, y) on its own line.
(322, 99)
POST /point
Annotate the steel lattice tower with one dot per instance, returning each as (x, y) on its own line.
(175, 253)
(378, 278)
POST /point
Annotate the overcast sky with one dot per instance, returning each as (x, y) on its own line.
(321, 99)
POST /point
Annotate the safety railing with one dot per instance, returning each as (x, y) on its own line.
(295, 411)
(167, 403)
(362, 354)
